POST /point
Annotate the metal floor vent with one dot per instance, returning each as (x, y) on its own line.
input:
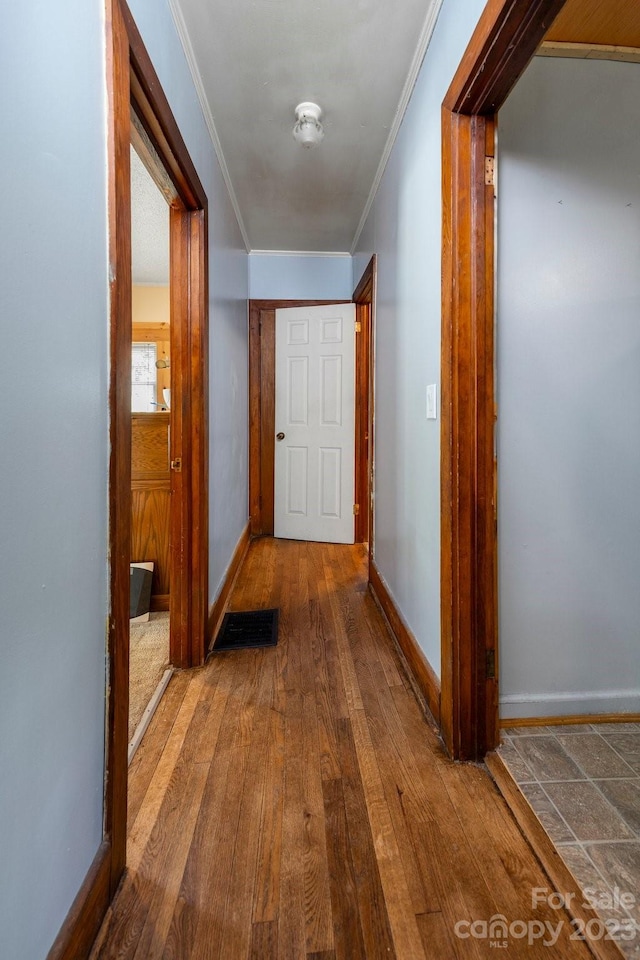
(249, 628)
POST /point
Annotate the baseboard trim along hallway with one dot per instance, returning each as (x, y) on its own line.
(422, 671)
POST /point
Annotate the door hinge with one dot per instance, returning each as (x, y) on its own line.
(358, 326)
(176, 465)
(356, 509)
(490, 664)
(490, 171)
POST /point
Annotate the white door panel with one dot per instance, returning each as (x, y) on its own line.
(315, 410)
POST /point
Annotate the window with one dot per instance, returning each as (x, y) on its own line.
(144, 377)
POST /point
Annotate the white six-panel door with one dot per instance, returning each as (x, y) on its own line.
(315, 423)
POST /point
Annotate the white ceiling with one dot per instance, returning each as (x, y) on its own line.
(149, 227)
(254, 60)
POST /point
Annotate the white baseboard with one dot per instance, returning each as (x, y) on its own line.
(521, 706)
(145, 719)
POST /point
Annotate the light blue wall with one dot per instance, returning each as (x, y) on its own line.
(54, 443)
(54, 437)
(300, 277)
(228, 292)
(569, 389)
(404, 229)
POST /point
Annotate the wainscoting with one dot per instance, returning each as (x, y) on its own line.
(151, 499)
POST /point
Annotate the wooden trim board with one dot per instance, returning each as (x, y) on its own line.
(419, 668)
(219, 605)
(552, 863)
(82, 923)
(588, 51)
(364, 297)
(160, 602)
(569, 721)
(149, 711)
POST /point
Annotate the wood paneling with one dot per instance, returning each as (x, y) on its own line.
(151, 511)
(151, 499)
(504, 41)
(293, 801)
(603, 22)
(418, 665)
(150, 446)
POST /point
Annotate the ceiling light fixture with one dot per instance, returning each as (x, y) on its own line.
(308, 130)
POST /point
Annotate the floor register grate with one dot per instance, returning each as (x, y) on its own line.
(248, 628)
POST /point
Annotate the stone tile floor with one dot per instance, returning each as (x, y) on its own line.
(583, 784)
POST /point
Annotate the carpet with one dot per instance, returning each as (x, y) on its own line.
(148, 659)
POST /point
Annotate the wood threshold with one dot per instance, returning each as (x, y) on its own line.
(147, 716)
(82, 923)
(219, 606)
(552, 863)
(419, 669)
(576, 718)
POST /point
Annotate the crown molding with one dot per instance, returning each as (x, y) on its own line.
(299, 253)
(407, 90)
(183, 34)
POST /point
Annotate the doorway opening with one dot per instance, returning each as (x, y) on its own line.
(139, 114)
(506, 38)
(149, 630)
(262, 405)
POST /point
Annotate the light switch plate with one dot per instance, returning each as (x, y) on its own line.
(432, 402)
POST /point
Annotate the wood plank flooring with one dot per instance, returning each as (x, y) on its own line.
(293, 802)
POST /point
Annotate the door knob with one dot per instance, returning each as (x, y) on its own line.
(280, 436)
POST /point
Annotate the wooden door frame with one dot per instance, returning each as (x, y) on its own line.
(133, 85)
(505, 40)
(364, 297)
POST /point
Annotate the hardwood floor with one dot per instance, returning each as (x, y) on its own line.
(293, 802)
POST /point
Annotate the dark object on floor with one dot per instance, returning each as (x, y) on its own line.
(140, 589)
(249, 628)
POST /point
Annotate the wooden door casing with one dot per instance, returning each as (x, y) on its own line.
(503, 43)
(134, 91)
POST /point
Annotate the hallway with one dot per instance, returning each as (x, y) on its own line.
(292, 802)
